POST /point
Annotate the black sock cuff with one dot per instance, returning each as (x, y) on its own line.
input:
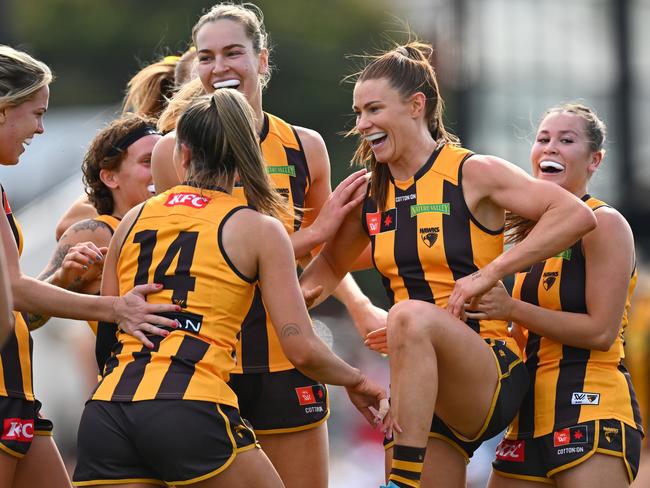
(408, 453)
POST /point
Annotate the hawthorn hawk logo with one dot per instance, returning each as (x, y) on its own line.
(549, 279)
(429, 235)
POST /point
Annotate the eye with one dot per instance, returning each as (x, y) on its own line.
(233, 54)
(203, 58)
(566, 140)
(542, 140)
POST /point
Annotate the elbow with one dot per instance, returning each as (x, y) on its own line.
(586, 221)
(603, 342)
(302, 356)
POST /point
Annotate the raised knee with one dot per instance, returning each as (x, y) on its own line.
(410, 320)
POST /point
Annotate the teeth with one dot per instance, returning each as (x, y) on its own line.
(27, 142)
(151, 189)
(226, 84)
(375, 136)
(551, 165)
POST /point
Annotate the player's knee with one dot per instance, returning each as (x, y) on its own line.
(410, 321)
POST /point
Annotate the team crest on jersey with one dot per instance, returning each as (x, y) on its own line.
(571, 435)
(511, 450)
(549, 279)
(610, 433)
(283, 192)
(429, 235)
(583, 398)
(378, 222)
(193, 200)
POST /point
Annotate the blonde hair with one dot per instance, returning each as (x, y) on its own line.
(21, 76)
(178, 103)
(151, 87)
(219, 131)
(408, 69)
(250, 17)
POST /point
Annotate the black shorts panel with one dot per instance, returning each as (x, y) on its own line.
(280, 402)
(20, 421)
(158, 441)
(542, 457)
(511, 389)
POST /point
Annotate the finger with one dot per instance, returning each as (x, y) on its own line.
(477, 315)
(384, 408)
(351, 187)
(146, 289)
(152, 329)
(376, 333)
(143, 338)
(160, 320)
(368, 415)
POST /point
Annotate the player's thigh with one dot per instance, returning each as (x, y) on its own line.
(599, 471)
(41, 466)
(499, 480)
(249, 469)
(301, 458)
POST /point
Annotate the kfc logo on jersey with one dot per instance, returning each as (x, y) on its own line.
(510, 450)
(583, 398)
(571, 435)
(15, 429)
(378, 222)
(193, 200)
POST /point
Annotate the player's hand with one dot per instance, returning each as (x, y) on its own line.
(311, 295)
(83, 264)
(468, 288)
(377, 340)
(370, 399)
(136, 317)
(367, 317)
(342, 200)
(495, 304)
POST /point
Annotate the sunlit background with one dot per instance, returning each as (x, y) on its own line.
(500, 64)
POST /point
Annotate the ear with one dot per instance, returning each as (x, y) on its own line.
(109, 178)
(185, 156)
(3, 114)
(418, 104)
(264, 62)
(596, 159)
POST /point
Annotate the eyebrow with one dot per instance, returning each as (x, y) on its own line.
(571, 131)
(229, 46)
(366, 104)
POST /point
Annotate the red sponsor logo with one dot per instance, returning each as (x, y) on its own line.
(509, 450)
(15, 429)
(561, 437)
(373, 221)
(193, 200)
(305, 395)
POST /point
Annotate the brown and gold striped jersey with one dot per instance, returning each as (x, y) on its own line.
(259, 350)
(16, 354)
(570, 385)
(427, 238)
(112, 223)
(176, 240)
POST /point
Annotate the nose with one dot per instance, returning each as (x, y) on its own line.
(363, 123)
(550, 147)
(220, 65)
(41, 128)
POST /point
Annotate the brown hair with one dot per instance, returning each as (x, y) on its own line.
(20, 76)
(148, 90)
(178, 103)
(408, 69)
(103, 153)
(249, 16)
(219, 131)
(516, 227)
(185, 69)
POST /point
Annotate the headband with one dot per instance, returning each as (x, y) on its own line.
(131, 137)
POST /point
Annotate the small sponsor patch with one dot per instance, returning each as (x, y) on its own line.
(305, 395)
(570, 435)
(511, 450)
(16, 429)
(282, 170)
(584, 398)
(566, 255)
(378, 222)
(187, 321)
(443, 208)
(193, 200)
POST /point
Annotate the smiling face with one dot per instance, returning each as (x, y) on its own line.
(227, 59)
(131, 183)
(19, 124)
(562, 152)
(384, 119)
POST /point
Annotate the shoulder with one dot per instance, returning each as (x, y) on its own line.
(246, 220)
(95, 231)
(610, 223)
(315, 150)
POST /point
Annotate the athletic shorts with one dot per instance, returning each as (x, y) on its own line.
(538, 459)
(281, 402)
(161, 442)
(511, 389)
(21, 421)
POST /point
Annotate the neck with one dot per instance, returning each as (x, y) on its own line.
(414, 157)
(256, 105)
